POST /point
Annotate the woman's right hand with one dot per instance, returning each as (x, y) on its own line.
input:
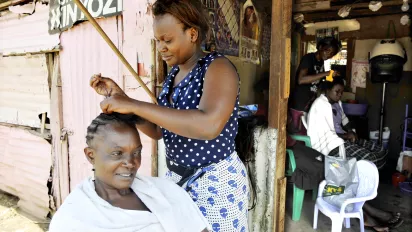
(105, 86)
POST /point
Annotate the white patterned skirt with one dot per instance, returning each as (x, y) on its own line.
(220, 190)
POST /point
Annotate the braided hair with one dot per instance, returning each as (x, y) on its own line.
(110, 119)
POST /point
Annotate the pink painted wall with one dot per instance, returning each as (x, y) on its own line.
(85, 53)
(22, 33)
(25, 162)
(138, 33)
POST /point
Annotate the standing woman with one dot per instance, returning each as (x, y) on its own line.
(196, 115)
(310, 71)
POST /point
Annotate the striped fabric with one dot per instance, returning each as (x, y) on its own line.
(364, 150)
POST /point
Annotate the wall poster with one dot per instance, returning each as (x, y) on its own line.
(250, 33)
(224, 16)
(360, 69)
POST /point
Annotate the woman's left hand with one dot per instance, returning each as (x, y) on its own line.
(352, 136)
(118, 103)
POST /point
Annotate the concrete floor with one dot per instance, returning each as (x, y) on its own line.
(389, 199)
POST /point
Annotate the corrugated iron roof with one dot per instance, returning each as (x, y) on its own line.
(26, 33)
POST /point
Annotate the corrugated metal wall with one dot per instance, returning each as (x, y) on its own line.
(137, 36)
(24, 89)
(25, 161)
(85, 53)
(21, 33)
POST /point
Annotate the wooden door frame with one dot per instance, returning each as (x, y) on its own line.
(279, 85)
(60, 153)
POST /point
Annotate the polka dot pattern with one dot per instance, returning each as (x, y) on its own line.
(186, 96)
(221, 193)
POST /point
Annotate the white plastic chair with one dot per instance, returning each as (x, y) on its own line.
(367, 190)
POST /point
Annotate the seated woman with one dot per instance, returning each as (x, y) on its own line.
(329, 128)
(116, 198)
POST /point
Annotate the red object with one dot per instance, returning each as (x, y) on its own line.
(352, 101)
(397, 178)
(262, 111)
(296, 117)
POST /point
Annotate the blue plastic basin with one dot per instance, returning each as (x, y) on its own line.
(355, 109)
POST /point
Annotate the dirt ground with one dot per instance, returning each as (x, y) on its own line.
(13, 220)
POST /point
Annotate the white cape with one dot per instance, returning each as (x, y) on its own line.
(172, 210)
(321, 128)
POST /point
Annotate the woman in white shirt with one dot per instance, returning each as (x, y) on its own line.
(329, 128)
(119, 199)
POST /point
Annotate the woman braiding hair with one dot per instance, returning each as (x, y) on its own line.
(197, 115)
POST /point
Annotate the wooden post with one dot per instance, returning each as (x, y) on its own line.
(154, 84)
(59, 141)
(350, 55)
(278, 98)
(43, 123)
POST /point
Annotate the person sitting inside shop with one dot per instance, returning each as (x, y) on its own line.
(329, 128)
(116, 198)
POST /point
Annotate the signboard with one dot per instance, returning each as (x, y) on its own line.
(63, 14)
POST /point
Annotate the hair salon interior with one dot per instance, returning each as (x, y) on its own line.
(377, 92)
(372, 59)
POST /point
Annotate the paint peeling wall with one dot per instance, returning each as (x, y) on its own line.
(25, 162)
(85, 53)
(22, 33)
(24, 92)
(138, 33)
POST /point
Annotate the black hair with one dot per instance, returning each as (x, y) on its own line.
(190, 12)
(329, 42)
(327, 85)
(263, 83)
(110, 119)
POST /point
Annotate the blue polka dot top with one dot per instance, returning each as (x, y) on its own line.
(185, 96)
